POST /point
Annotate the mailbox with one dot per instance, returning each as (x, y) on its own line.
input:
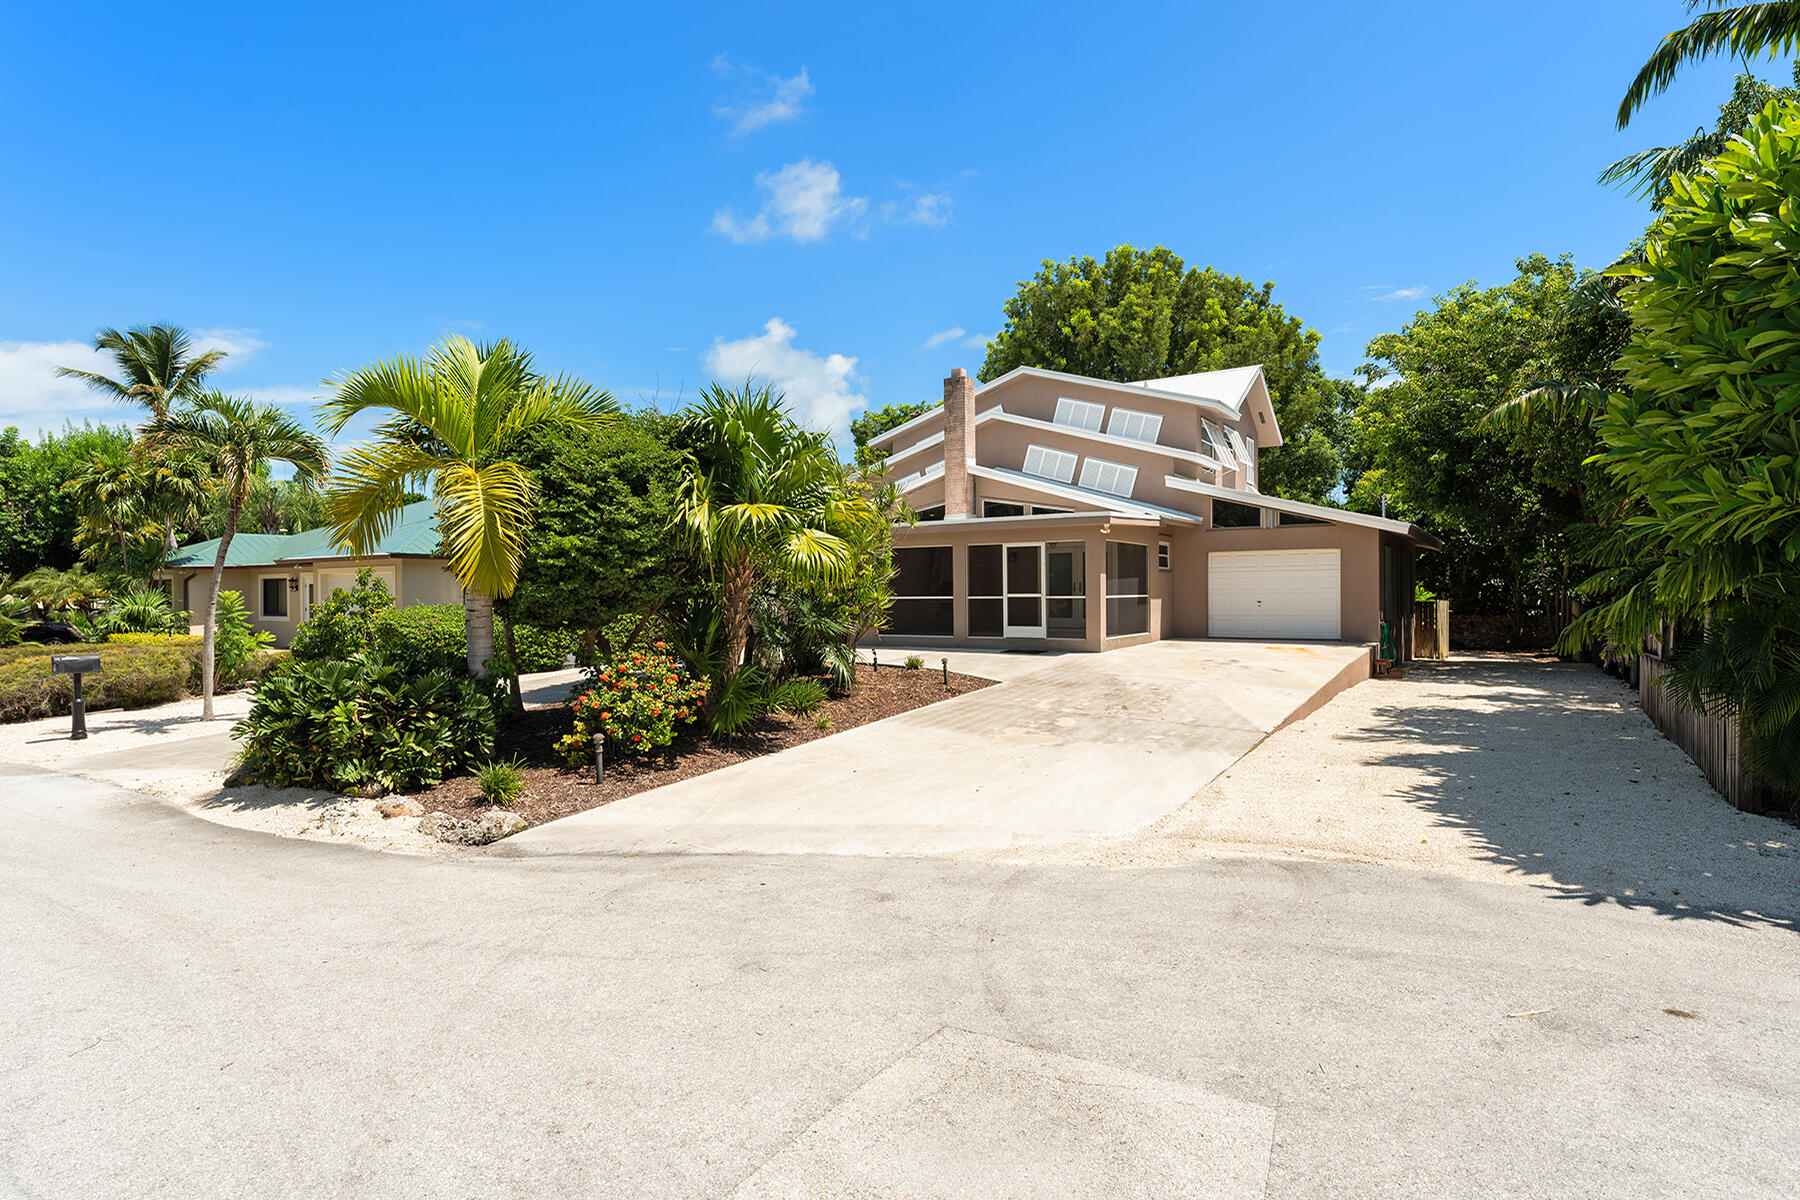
(76, 665)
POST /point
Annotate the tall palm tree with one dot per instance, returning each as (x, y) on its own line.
(452, 417)
(760, 501)
(111, 491)
(235, 436)
(1744, 30)
(157, 366)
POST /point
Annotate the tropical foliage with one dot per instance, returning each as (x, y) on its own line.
(639, 703)
(38, 517)
(1744, 31)
(1648, 172)
(449, 420)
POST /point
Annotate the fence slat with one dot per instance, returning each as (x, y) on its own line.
(1711, 741)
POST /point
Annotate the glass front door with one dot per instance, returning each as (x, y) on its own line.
(1025, 590)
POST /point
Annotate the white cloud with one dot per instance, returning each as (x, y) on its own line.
(932, 208)
(238, 344)
(1389, 292)
(34, 399)
(959, 335)
(820, 389)
(764, 98)
(804, 201)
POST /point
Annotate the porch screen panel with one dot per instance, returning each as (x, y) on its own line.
(924, 585)
(1065, 589)
(1127, 589)
(987, 606)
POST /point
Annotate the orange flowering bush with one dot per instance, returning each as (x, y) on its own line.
(639, 702)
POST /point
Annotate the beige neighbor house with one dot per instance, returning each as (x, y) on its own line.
(1059, 511)
(282, 576)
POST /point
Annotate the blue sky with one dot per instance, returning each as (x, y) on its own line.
(649, 195)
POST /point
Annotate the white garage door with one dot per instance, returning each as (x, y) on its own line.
(1273, 594)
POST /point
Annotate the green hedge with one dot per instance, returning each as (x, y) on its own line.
(131, 676)
(432, 630)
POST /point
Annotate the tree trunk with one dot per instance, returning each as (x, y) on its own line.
(209, 639)
(512, 663)
(478, 630)
(734, 600)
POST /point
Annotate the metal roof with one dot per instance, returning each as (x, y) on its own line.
(414, 532)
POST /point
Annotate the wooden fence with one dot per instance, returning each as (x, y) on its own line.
(1711, 741)
(1431, 629)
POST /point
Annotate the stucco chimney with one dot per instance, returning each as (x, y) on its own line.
(959, 444)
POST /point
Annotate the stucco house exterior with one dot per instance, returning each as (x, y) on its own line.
(1059, 511)
(282, 576)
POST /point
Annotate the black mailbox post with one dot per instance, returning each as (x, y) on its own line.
(76, 665)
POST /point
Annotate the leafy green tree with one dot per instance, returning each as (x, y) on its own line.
(1648, 172)
(1703, 437)
(1502, 495)
(759, 502)
(599, 547)
(38, 519)
(232, 435)
(1744, 31)
(452, 417)
(872, 424)
(1143, 314)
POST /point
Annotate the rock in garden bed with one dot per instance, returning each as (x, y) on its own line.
(552, 790)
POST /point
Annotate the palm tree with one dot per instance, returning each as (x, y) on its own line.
(157, 366)
(454, 415)
(1648, 172)
(110, 491)
(1744, 30)
(760, 502)
(235, 435)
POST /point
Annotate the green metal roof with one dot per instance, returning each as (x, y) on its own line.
(414, 532)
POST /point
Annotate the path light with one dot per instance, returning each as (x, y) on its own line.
(946, 663)
(599, 758)
(874, 660)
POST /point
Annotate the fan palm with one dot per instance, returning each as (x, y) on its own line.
(760, 502)
(235, 436)
(1744, 30)
(453, 415)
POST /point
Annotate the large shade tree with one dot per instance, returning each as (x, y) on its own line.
(448, 420)
(1144, 314)
(236, 437)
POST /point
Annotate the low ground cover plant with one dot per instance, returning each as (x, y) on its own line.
(367, 720)
(640, 703)
(502, 782)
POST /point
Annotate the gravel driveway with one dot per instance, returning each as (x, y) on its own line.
(1509, 770)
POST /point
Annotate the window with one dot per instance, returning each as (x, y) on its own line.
(1127, 589)
(1288, 518)
(1046, 463)
(1065, 595)
(923, 587)
(934, 513)
(1138, 426)
(1227, 515)
(1115, 479)
(1218, 445)
(1001, 508)
(987, 600)
(1237, 446)
(1079, 414)
(275, 598)
(1162, 556)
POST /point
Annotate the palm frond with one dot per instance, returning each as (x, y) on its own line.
(483, 513)
(1746, 31)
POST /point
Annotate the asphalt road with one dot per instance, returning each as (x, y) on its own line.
(192, 1010)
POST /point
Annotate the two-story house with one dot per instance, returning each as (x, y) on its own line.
(1062, 511)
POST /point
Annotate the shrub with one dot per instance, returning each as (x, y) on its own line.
(153, 639)
(131, 676)
(365, 720)
(797, 695)
(913, 662)
(141, 610)
(344, 623)
(433, 634)
(502, 782)
(237, 649)
(639, 703)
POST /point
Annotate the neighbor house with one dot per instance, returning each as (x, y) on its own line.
(1062, 511)
(283, 575)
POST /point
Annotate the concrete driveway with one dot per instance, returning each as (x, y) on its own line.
(193, 1011)
(1066, 746)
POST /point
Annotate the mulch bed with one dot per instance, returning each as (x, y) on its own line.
(552, 790)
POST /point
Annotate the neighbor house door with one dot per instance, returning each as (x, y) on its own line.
(1025, 590)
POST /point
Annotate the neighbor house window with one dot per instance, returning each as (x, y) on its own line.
(1001, 508)
(1227, 515)
(987, 586)
(1219, 445)
(1080, 414)
(1138, 426)
(1127, 589)
(274, 598)
(1288, 518)
(1115, 479)
(934, 513)
(1046, 463)
(1065, 594)
(923, 589)
(1162, 556)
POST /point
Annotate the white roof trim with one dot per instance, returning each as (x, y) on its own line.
(1068, 491)
(936, 410)
(1299, 508)
(1235, 412)
(999, 413)
(928, 471)
(926, 443)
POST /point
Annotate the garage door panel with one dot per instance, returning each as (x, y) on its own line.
(1274, 593)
